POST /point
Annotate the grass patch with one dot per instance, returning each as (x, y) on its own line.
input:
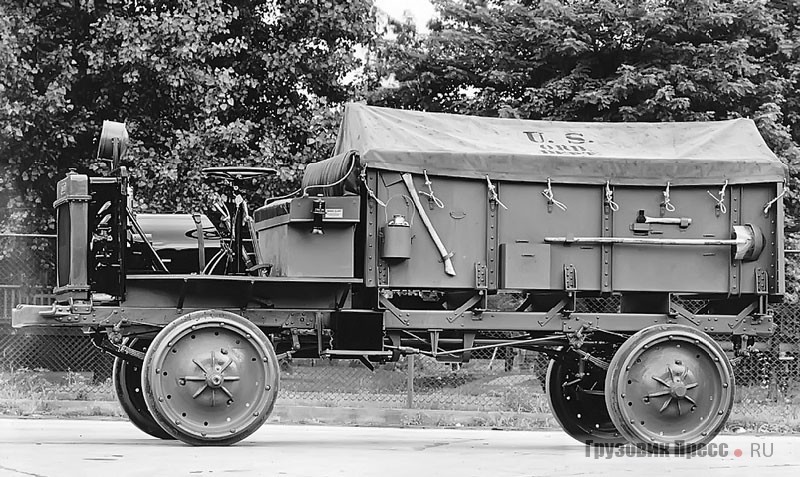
(30, 391)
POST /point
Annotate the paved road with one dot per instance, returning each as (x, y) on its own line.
(62, 448)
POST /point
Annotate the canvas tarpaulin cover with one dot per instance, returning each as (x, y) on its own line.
(568, 152)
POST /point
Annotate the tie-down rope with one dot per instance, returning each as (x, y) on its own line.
(430, 193)
(548, 194)
(610, 198)
(667, 204)
(721, 199)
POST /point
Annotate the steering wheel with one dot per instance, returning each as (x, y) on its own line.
(237, 173)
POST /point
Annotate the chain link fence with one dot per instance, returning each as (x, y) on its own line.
(63, 364)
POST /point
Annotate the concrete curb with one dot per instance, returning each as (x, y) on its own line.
(294, 414)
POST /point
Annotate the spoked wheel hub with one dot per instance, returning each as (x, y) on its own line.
(677, 381)
(211, 378)
(575, 389)
(215, 374)
(670, 388)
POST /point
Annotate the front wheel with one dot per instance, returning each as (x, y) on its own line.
(210, 378)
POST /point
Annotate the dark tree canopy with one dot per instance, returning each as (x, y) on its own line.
(198, 83)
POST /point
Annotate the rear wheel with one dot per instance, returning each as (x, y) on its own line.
(127, 378)
(575, 389)
(670, 388)
(210, 378)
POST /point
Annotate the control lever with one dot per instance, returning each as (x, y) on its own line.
(223, 211)
(201, 247)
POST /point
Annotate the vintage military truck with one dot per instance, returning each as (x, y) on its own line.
(396, 244)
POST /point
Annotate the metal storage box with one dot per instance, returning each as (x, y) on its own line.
(285, 238)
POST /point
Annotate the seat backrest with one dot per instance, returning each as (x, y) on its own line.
(341, 170)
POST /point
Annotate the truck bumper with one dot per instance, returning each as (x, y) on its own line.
(36, 315)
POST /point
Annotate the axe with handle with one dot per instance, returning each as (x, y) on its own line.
(412, 191)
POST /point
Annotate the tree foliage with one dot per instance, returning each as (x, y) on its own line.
(198, 83)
